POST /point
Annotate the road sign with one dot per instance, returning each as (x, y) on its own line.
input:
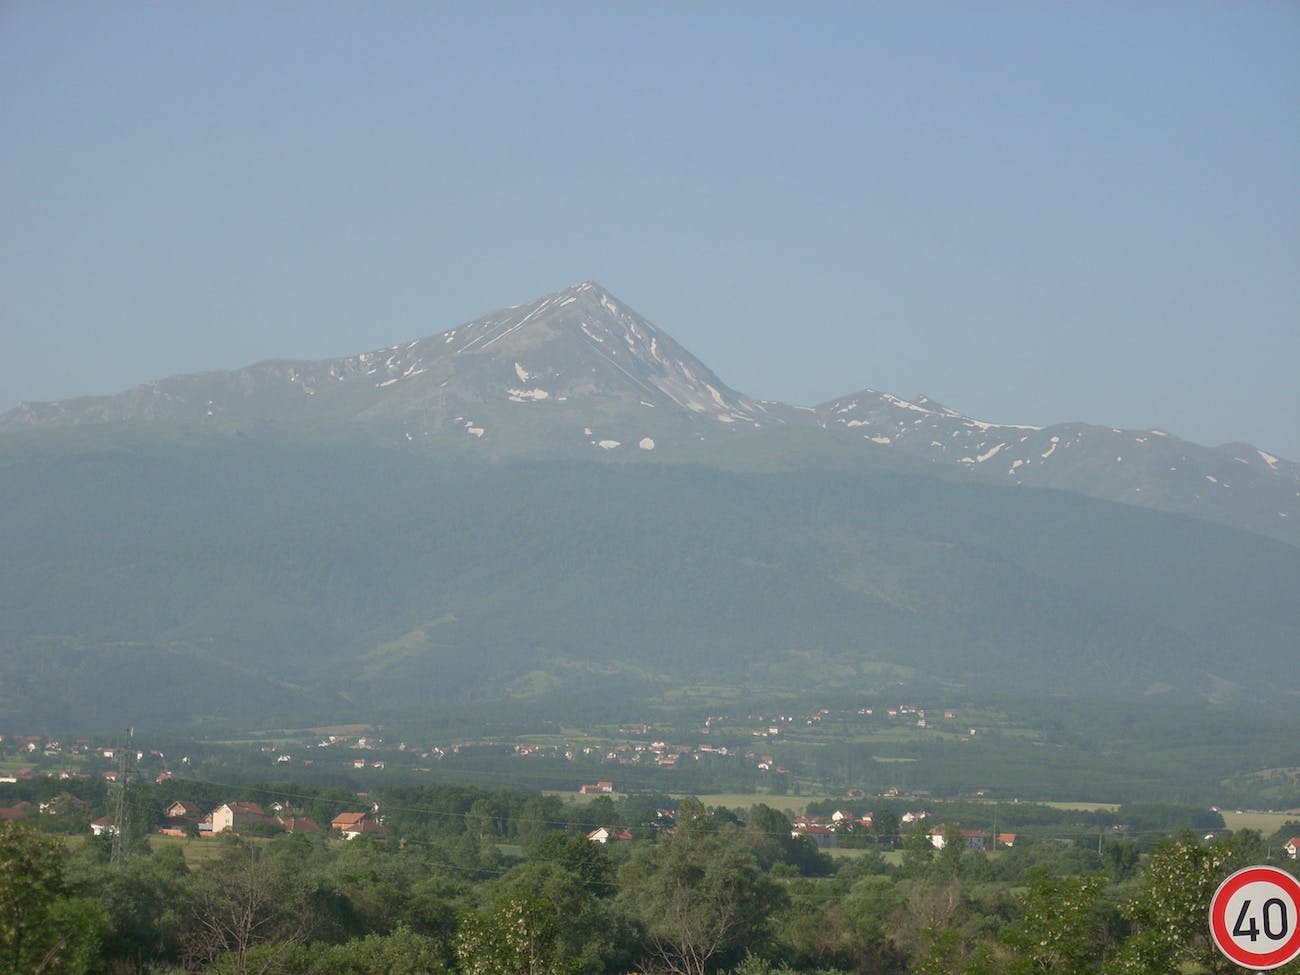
(1255, 918)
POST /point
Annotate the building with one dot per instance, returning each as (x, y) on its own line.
(298, 824)
(354, 824)
(232, 815)
(607, 834)
(103, 826)
(972, 839)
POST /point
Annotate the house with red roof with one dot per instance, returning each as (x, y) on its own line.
(354, 824)
(298, 824)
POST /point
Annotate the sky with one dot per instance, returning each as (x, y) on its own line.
(1029, 212)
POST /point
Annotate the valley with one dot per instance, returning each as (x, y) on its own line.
(1106, 615)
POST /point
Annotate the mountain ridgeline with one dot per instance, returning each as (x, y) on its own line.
(557, 501)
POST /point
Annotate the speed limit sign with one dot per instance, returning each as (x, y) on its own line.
(1255, 918)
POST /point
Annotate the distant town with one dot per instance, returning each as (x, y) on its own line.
(751, 740)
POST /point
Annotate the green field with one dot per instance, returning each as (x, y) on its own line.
(1266, 823)
(794, 805)
(194, 850)
(1084, 806)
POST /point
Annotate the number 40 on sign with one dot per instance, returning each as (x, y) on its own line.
(1255, 918)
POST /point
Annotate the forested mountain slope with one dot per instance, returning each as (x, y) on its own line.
(148, 583)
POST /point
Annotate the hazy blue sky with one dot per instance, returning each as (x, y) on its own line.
(1031, 212)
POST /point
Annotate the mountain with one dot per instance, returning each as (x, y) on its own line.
(579, 372)
(573, 369)
(1234, 484)
(556, 502)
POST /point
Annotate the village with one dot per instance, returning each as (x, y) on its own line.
(759, 744)
(753, 744)
(752, 740)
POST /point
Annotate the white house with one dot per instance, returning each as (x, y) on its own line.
(606, 835)
(232, 815)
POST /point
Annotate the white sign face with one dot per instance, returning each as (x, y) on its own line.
(1255, 918)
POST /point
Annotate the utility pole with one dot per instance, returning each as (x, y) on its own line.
(122, 809)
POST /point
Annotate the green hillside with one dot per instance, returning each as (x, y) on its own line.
(167, 581)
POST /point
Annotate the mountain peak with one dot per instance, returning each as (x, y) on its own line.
(579, 371)
(583, 342)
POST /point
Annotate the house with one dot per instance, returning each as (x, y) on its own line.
(1292, 848)
(103, 826)
(1006, 839)
(63, 805)
(12, 813)
(972, 839)
(180, 819)
(606, 834)
(824, 836)
(354, 824)
(232, 815)
(599, 789)
(298, 824)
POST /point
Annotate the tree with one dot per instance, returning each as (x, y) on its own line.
(948, 864)
(691, 815)
(918, 851)
(1121, 858)
(589, 932)
(590, 862)
(769, 834)
(834, 936)
(539, 817)
(701, 898)
(517, 937)
(241, 901)
(884, 825)
(141, 899)
(485, 821)
(1061, 928)
(403, 952)
(42, 930)
(1169, 911)
(601, 811)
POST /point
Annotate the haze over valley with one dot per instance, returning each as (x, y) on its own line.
(558, 503)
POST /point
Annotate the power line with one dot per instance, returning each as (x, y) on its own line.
(122, 813)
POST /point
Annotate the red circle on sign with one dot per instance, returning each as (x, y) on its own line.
(1219, 921)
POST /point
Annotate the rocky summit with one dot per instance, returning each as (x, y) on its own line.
(578, 371)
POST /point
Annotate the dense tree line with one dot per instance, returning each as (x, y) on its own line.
(486, 883)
